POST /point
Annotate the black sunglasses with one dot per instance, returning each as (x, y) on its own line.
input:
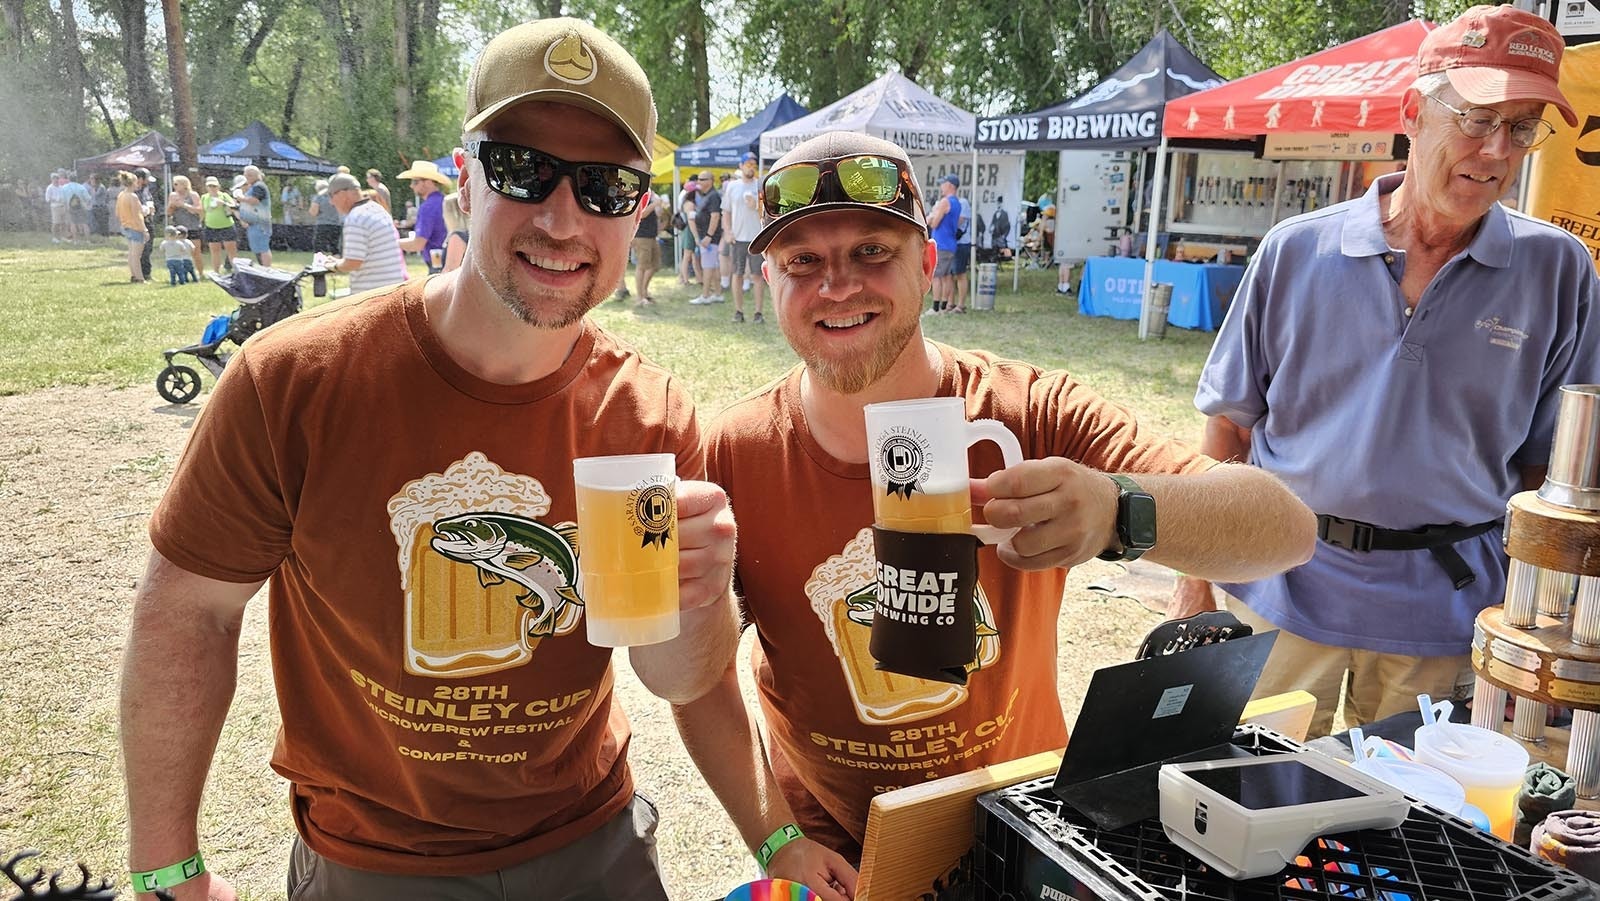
(864, 178)
(529, 175)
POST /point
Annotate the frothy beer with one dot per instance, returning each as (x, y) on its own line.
(946, 511)
(629, 580)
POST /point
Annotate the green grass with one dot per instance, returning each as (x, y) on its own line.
(73, 319)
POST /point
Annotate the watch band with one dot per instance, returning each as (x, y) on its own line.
(1126, 549)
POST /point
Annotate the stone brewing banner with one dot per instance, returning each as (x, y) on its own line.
(1565, 188)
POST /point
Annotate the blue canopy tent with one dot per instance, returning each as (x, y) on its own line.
(447, 166)
(726, 149)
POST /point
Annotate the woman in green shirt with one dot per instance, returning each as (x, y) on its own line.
(217, 209)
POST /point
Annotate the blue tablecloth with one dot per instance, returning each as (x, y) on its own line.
(1113, 286)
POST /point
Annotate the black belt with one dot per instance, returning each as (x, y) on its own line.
(1436, 540)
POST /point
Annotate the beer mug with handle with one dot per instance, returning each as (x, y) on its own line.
(924, 624)
(628, 547)
(918, 455)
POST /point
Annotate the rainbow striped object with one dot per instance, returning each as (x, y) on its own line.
(772, 890)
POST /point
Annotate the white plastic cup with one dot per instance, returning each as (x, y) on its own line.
(1489, 766)
(918, 455)
(628, 547)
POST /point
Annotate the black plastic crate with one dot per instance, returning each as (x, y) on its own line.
(1033, 846)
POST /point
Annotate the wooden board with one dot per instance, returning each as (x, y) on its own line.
(1288, 713)
(918, 834)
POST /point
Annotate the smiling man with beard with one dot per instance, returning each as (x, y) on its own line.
(849, 261)
(399, 465)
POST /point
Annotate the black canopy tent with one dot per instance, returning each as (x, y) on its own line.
(257, 145)
(150, 151)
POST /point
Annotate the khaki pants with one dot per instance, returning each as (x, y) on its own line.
(618, 860)
(1373, 685)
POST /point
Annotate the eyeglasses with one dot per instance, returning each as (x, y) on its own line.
(529, 175)
(1479, 122)
(866, 178)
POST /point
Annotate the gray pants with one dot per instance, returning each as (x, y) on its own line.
(616, 861)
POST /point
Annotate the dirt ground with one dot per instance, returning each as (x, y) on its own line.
(80, 469)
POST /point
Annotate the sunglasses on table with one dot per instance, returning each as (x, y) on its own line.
(529, 175)
(863, 178)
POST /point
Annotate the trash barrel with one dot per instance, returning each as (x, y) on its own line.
(988, 280)
(1160, 305)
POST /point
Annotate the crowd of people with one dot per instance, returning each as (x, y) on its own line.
(194, 227)
(420, 792)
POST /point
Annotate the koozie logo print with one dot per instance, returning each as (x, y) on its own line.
(484, 580)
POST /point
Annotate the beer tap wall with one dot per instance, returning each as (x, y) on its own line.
(1226, 194)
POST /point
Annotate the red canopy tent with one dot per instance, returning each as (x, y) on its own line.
(1353, 87)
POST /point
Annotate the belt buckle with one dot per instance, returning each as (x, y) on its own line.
(1346, 533)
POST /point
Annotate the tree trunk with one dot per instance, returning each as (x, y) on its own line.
(292, 93)
(548, 9)
(402, 72)
(182, 98)
(252, 47)
(344, 29)
(695, 56)
(131, 16)
(16, 14)
(105, 113)
(72, 67)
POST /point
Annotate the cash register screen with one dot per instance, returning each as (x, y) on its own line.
(1282, 783)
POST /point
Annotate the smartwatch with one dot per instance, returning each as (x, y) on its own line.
(1136, 520)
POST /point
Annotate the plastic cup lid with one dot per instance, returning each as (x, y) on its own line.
(1458, 746)
(1419, 781)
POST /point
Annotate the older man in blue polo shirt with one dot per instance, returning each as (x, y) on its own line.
(1396, 360)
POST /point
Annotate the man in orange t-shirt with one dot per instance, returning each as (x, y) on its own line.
(399, 466)
(848, 272)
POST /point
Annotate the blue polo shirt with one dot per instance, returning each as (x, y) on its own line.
(1399, 421)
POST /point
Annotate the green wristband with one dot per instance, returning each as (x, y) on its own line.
(169, 876)
(786, 833)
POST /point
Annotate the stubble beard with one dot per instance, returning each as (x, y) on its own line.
(856, 373)
(545, 309)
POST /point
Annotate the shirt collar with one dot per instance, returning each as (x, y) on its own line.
(1363, 232)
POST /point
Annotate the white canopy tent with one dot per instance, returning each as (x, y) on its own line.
(937, 135)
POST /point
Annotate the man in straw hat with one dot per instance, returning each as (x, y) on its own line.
(429, 184)
(1396, 359)
(848, 258)
(448, 731)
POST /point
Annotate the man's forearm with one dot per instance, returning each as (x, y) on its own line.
(1234, 523)
(178, 677)
(721, 740)
(686, 667)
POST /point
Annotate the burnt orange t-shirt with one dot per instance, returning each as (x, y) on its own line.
(840, 731)
(442, 709)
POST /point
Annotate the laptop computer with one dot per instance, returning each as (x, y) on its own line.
(1139, 715)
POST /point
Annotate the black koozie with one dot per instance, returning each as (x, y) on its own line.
(923, 623)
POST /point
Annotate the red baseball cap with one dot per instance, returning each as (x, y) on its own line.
(1492, 54)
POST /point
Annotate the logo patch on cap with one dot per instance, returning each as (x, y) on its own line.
(1533, 45)
(570, 60)
(1472, 39)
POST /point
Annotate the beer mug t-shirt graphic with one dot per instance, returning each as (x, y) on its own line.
(484, 580)
(843, 591)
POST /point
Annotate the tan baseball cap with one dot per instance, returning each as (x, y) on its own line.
(562, 61)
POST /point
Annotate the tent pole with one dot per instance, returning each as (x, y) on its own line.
(972, 217)
(1277, 198)
(1156, 190)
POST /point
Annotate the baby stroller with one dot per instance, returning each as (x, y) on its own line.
(265, 296)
